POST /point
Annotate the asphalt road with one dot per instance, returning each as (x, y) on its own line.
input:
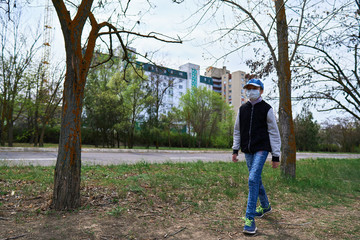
(47, 156)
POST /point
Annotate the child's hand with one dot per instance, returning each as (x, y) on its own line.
(234, 158)
(275, 164)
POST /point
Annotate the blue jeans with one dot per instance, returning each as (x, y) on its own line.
(255, 163)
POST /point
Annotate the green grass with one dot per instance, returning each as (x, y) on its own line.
(217, 191)
(319, 183)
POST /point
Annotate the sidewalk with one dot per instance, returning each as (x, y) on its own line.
(108, 150)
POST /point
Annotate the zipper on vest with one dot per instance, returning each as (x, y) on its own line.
(251, 118)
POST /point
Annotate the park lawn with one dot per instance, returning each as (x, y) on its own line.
(184, 201)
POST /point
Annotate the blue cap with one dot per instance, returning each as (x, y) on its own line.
(255, 82)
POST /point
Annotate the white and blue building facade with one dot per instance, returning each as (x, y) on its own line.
(177, 82)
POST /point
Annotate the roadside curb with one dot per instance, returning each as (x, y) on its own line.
(109, 150)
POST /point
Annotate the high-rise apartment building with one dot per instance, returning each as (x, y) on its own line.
(216, 74)
(229, 85)
(176, 83)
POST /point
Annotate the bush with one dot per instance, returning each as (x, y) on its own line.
(88, 136)
(329, 148)
(221, 142)
(52, 134)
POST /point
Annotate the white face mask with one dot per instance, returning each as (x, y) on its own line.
(253, 94)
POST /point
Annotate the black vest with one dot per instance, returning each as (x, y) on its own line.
(254, 134)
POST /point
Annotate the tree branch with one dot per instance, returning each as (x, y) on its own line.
(82, 14)
(62, 11)
(299, 31)
(149, 35)
(262, 33)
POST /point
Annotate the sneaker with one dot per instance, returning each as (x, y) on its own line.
(260, 211)
(250, 227)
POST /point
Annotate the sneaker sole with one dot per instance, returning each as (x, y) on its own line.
(263, 214)
(250, 233)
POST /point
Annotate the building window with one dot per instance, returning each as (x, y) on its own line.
(229, 80)
(180, 93)
(242, 91)
(229, 85)
(180, 86)
(229, 91)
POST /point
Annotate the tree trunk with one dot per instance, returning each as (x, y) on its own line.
(41, 140)
(36, 125)
(78, 58)
(2, 125)
(181, 142)
(3, 116)
(131, 139)
(68, 165)
(10, 133)
(169, 138)
(288, 150)
(3, 135)
(157, 127)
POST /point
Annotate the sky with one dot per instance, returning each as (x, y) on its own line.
(172, 20)
(167, 18)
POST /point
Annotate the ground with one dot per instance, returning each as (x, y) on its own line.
(101, 219)
(183, 201)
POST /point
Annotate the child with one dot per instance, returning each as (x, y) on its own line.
(256, 134)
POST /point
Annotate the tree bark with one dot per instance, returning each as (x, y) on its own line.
(68, 164)
(36, 125)
(66, 193)
(41, 140)
(10, 123)
(11, 133)
(2, 121)
(288, 150)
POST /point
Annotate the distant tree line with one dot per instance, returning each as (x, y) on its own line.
(117, 96)
(341, 135)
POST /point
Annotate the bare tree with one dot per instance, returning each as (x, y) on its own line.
(16, 55)
(47, 100)
(331, 76)
(281, 61)
(78, 60)
(158, 86)
(263, 25)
